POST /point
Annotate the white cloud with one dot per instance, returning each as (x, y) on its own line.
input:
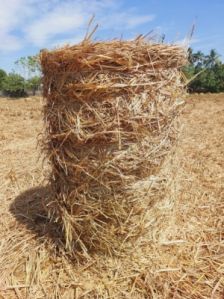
(134, 21)
(9, 42)
(8, 15)
(63, 19)
(46, 23)
(125, 20)
(10, 18)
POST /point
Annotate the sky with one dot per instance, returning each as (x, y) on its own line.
(26, 26)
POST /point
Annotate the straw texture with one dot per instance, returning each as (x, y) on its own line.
(110, 116)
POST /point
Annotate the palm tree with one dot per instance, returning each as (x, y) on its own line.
(212, 59)
(199, 59)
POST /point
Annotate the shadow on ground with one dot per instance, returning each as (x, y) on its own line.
(30, 210)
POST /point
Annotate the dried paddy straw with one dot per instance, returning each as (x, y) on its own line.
(110, 114)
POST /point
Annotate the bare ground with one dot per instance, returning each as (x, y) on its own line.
(183, 255)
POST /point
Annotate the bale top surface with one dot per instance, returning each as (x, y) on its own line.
(116, 55)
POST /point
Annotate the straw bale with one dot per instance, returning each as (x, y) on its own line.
(110, 116)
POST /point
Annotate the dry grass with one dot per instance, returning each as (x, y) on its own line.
(182, 256)
(110, 120)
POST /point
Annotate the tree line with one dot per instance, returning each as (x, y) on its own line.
(204, 73)
(28, 79)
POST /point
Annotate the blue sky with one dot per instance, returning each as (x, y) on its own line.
(26, 26)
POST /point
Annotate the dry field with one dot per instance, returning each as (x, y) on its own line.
(183, 255)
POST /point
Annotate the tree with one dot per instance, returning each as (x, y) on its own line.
(33, 84)
(204, 72)
(212, 59)
(30, 66)
(2, 77)
(199, 60)
(14, 85)
(219, 71)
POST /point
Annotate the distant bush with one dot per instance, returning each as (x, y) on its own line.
(2, 77)
(33, 84)
(14, 85)
(30, 67)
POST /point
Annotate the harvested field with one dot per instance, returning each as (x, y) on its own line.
(182, 255)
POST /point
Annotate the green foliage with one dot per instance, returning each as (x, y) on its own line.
(30, 65)
(2, 77)
(14, 85)
(33, 84)
(207, 72)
